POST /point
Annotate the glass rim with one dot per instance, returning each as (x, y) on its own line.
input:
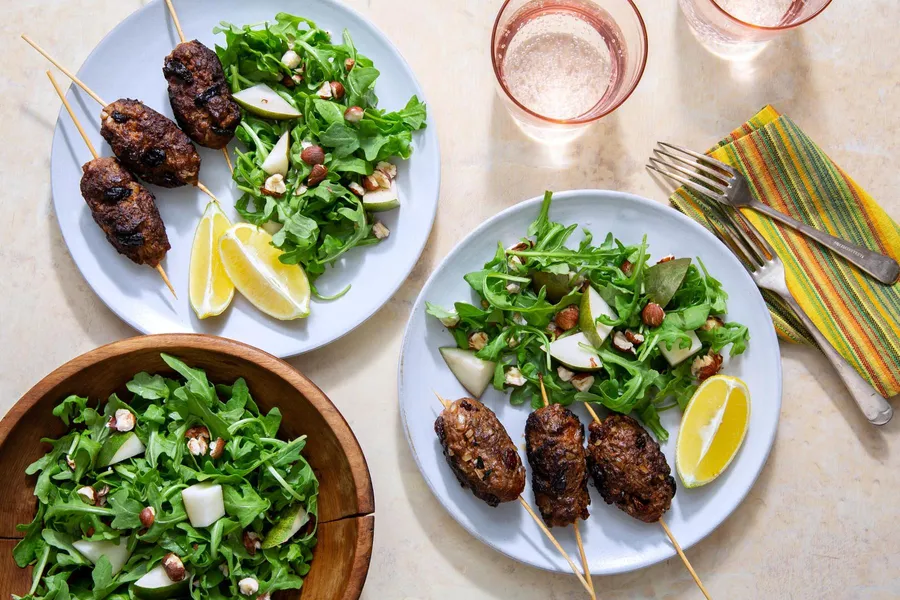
(577, 120)
(731, 17)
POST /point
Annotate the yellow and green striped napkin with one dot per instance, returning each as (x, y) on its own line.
(790, 173)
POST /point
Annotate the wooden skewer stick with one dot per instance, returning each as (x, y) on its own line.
(668, 531)
(584, 563)
(62, 96)
(182, 38)
(175, 19)
(68, 73)
(90, 92)
(540, 524)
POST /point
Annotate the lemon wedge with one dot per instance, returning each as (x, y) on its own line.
(712, 429)
(210, 288)
(251, 261)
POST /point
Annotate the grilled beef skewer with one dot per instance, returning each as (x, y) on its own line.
(125, 211)
(554, 440)
(629, 469)
(480, 451)
(149, 144)
(199, 94)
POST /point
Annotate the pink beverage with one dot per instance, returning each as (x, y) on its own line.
(563, 64)
(740, 29)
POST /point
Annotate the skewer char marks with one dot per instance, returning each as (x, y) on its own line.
(200, 97)
(139, 148)
(124, 209)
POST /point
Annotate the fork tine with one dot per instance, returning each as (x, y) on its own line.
(733, 236)
(703, 157)
(750, 227)
(708, 176)
(696, 168)
(684, 180)
(743, 237)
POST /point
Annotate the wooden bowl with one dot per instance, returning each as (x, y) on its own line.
(346, 501)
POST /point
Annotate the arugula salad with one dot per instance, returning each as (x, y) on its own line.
(185, 490)
(318, 161)
(599, 323)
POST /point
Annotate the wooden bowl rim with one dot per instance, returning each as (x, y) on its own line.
(365, 497)
(161, 342)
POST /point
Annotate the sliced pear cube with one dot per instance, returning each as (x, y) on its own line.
(119, 447)
(115, 551)
(381, 200)
(472, 372)
(156, 585)
(278, 161)
(265, 102)
(203, 503)
(286, 527)
(678, 354)
(571, 352)
(592, 306)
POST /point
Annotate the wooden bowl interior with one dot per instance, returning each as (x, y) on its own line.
(346, 502)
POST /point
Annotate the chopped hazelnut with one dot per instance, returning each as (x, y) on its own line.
(653, 315)
(567, 318)
(620, 342)
(514, 377)
(274, 185)
(148, 516)
(478, 340)
(564, 373)
(173, 566)
(354, 114)
(197, 446)
(87, 494)
(582, 382)
(248, 586)
(124, 420)
(380, 230)
(317, 175)
(706, 366)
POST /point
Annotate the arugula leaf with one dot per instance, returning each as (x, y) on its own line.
(148, 387)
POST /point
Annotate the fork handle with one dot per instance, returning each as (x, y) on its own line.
(883, 268)
(873, 405)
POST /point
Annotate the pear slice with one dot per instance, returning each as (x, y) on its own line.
(381, 200)
(678, 354)
(571, 352)
(295, 518)
(277, 161)
(156, 585)
(203, 503)
(265, 102)
(556, 284)
(115, 551)
(472, 372)
(119, 447)
(592, 305)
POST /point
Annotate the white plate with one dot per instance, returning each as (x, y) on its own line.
(128, 63)
(614, 542)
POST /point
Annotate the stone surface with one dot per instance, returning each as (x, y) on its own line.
(820, 523)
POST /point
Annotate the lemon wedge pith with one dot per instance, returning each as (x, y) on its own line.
(712, 429)
(279, 290)
(211, 290)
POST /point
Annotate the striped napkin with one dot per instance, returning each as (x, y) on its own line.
(790, 173)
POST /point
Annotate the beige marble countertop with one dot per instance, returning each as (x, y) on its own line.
(821, 522)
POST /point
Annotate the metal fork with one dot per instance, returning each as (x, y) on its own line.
(767, 272)
(725, 184)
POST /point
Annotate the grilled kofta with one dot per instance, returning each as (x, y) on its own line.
(629, 469)
(199, 95)
(125, 211)
(554, 439)
(480, 451)
(149, 144)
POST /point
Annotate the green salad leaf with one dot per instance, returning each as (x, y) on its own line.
(319, 223)
(521, 291)
(262, 476)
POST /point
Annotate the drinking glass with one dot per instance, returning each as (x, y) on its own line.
(563, 64)
(740, 29)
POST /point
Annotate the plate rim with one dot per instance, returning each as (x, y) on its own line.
(431, 129)
(566, 195)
